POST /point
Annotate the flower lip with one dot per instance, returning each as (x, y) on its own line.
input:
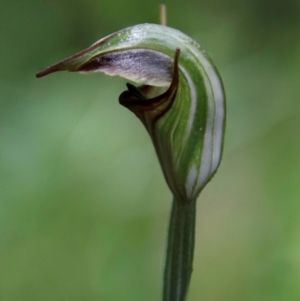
(135, 91)
(135, 98)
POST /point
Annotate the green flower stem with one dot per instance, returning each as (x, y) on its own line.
(180, 250)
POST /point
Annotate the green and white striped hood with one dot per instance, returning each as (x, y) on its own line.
(181, 100)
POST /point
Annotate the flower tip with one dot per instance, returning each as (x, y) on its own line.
(50, 69)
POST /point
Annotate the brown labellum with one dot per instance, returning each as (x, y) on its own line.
(144, 105)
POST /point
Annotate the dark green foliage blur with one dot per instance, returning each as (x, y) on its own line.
(83, 204)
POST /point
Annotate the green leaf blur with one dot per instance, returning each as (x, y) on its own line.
(83, 204)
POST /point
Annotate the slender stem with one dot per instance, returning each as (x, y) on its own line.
(163, 14)
(180, 251)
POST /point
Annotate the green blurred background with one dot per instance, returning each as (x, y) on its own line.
(83, 204)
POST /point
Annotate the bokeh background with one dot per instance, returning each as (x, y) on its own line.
(83, 204)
